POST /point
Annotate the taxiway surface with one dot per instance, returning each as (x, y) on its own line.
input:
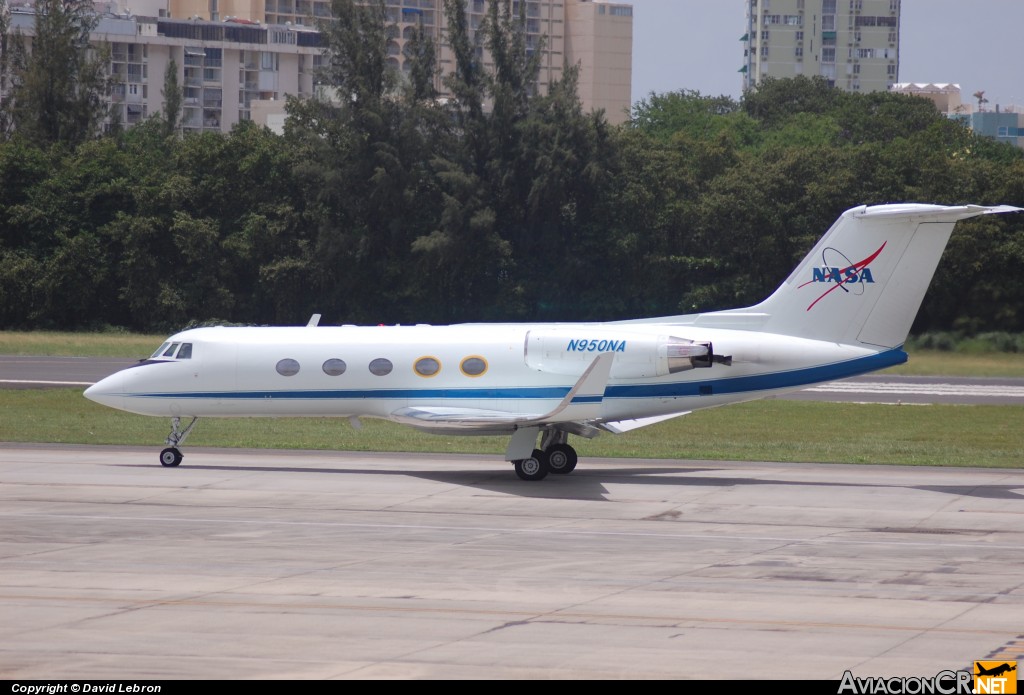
(347, 565)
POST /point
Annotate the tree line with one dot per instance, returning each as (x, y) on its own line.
(390, 205)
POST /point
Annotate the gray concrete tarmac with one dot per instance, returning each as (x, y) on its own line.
(35, 371)
(346, 565)
(891, 388)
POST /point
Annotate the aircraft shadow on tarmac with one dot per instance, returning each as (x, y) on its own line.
(590, 484)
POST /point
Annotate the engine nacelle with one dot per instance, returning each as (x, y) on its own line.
(571, 350)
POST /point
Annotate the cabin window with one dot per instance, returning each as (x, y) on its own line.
(473, 366)
(159, 351)
(185, 353)
(169, 352)
(427, 366)
(287, 367)
(381, 366)
(334, 367)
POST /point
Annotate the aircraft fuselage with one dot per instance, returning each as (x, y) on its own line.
(846, 309)
(233, 372)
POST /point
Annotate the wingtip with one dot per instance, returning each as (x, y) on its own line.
(999, 209)
(929, 211)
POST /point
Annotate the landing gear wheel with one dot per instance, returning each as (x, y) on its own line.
(170, 457)
(562, 459)
(533, 468)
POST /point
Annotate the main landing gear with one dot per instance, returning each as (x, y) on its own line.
(555, 456)
(172, 456)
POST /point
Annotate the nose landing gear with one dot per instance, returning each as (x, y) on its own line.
(171, 456)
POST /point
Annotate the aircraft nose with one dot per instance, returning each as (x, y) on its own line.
(108, 391)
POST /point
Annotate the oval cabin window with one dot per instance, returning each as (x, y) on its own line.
(334, 367)
(381, 366)
(427, 366)
(473, 366)
(287, 367)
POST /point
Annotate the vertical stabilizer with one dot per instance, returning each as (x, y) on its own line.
(865, 279)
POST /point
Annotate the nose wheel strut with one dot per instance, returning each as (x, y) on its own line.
(172, 456)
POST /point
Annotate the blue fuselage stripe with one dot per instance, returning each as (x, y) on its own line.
(763, 382)
(676, 389)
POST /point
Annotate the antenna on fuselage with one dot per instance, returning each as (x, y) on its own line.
(314, 321)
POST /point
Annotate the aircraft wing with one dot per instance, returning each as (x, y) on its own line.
(429, 417)
(582, 403)
(620, 426)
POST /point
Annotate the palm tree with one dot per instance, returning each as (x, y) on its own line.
(980, 96)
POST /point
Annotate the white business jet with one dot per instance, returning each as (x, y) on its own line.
(845, 310)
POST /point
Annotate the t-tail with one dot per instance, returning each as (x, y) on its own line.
(863, 282)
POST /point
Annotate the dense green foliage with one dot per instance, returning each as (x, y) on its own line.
(56, 91)
(389, 205)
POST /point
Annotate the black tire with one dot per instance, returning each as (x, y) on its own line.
(532, 468)
(562, 459)
(170, 457)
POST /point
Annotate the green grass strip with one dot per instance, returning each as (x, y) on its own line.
(774, 430)
(936, 363)
(64, 344)
(114, 344)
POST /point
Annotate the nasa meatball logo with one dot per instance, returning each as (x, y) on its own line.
(838, 272)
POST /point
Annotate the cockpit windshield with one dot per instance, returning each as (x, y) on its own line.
(169, 350)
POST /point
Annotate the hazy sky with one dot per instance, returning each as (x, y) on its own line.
(694, 44)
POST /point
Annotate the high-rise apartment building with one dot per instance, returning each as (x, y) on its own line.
(238, 59)
(599, 36)
(222, 67)
(854, 44)
(596, 34)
